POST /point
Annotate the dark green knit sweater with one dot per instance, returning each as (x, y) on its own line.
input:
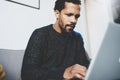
(49, 53)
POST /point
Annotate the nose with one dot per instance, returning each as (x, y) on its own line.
(73, 20)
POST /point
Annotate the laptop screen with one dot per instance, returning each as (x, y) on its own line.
(105, 65)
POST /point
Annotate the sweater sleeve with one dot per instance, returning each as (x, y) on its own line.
(32, 68)
(82, 56)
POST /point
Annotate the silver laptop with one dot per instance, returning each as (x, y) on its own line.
(105, 65)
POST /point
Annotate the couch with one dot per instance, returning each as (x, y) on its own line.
(12, 63)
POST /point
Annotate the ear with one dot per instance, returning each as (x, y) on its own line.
(57, 13)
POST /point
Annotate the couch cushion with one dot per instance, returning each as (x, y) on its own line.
(12, 63)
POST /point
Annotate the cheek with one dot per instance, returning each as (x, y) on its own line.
(65, 20)
(62, 20)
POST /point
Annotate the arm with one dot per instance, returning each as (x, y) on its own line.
(82, 57)
(32, 68)
(82, 62)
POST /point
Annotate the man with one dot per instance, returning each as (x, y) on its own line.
(56, 51)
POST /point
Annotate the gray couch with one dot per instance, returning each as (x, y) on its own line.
(12, 63)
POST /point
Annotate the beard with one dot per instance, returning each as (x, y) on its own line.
(67, 29)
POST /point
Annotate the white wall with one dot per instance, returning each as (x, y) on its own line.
(98, 16)
(17, 22)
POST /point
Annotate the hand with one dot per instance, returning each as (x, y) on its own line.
(75, 71)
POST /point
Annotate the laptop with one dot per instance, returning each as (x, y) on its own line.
(105, 65)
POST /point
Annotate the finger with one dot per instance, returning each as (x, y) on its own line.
(78, 67)
(79, 76)
(79, 71)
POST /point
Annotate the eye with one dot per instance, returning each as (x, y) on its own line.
(69, 14)
(77, 16)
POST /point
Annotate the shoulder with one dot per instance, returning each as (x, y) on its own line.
(41, 33)
(77, 34)
(43, 30)
(78, 37)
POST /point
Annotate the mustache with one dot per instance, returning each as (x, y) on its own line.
(71, 25)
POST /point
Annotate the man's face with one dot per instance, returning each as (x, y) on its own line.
(68, 17)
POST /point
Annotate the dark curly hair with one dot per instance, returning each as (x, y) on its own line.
(60, 4)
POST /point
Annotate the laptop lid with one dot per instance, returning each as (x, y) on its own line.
(105, 65)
